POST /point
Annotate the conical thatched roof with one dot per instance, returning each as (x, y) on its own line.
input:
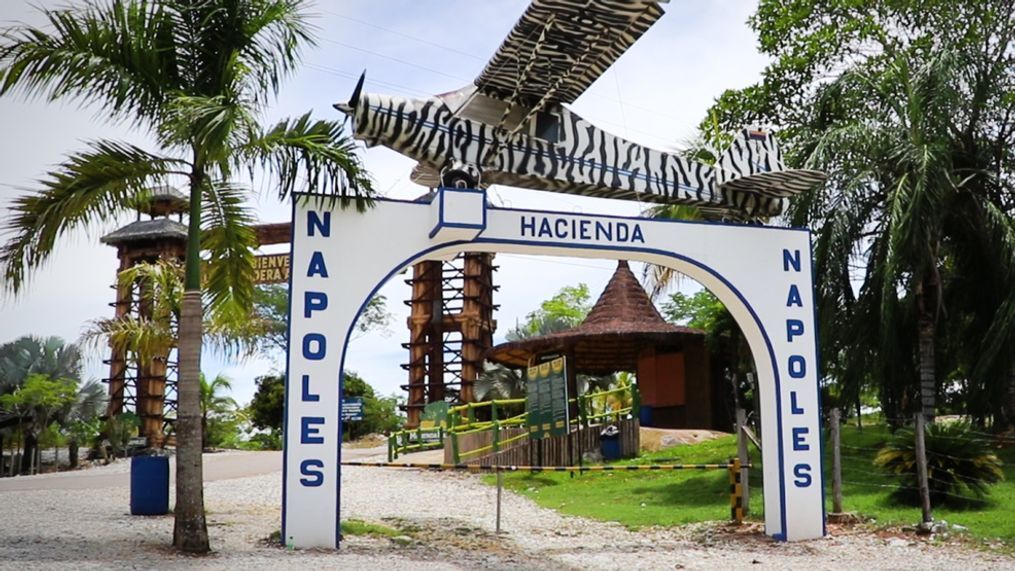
(622, 323)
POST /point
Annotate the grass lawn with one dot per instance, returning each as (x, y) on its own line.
(637, 499)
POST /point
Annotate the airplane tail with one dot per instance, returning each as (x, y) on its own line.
(752, 169)
(753, 151)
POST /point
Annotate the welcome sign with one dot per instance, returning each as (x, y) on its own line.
(340, 258)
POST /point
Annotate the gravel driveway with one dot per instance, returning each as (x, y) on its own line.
(449, 518)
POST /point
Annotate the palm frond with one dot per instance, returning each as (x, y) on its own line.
(118, 54)
(90, 186)
(229, 240)
(214, 124)
(89, 402)
(274, 30)
(660, 278)
(311, 156)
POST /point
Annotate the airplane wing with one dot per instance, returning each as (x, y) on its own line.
(559, 47)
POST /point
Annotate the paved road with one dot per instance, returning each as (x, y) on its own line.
(217, 466)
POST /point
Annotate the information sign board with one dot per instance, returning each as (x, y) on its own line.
(546, 399)
(352, 409)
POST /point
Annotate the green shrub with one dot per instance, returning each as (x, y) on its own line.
(958, 461)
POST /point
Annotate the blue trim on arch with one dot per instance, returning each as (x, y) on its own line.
(817, 381)
(304, 195)
(669, 254)
(288, 346)
(441, 223)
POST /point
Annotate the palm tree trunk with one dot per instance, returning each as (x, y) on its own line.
(74, 451)
(28, 453)
(190, 531)
(926, 306)
(1010, 413)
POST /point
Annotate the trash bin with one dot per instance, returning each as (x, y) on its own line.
(149, 485)
(609, 443)
(645, 415)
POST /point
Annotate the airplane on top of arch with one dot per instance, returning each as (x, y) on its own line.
(512, 126)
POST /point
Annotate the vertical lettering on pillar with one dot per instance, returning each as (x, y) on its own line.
(796, 369)
(310, 425)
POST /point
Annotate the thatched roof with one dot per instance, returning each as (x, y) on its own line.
(157, 229)
(622, 323)
(161, 201)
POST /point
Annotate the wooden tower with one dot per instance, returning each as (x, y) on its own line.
(147, 389)
(451, 326)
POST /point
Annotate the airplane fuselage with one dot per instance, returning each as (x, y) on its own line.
(570, 155)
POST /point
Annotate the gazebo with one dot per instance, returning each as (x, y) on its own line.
(624, 332)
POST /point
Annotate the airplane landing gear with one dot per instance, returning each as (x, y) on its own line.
(460, 175)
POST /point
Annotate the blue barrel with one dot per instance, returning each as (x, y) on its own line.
(645, 415)
(149, 485)
(609, 444)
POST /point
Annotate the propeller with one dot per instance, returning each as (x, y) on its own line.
(350, 107)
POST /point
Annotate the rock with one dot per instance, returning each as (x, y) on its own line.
(897, 542)
(401, 540)
(957, 527)
(669, 440)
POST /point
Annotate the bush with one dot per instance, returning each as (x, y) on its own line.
(958, 461)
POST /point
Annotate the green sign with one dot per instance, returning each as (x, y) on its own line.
(546, 399)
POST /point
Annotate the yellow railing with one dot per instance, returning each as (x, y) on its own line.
(462, 422)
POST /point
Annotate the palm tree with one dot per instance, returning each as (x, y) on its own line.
(81, 417)
(195, 75)
(30, 355)
(212, 402)
(906, 205)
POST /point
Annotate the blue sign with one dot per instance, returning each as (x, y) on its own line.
(352, 408)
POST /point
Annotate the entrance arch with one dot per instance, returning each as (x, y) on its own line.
(340, 258)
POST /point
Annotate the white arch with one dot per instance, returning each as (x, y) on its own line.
(357, 268)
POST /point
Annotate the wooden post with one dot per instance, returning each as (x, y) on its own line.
(921, 469)
(744, 458)
(836, 463)
(500, 486)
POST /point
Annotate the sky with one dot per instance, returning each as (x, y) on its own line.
(655, 94)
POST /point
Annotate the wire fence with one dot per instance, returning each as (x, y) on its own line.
(929, 474)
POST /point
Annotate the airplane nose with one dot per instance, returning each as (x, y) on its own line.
(349, 107)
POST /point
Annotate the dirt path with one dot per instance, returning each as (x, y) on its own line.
(446, 521)
(217, 466)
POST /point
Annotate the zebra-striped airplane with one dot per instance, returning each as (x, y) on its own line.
(511, 126)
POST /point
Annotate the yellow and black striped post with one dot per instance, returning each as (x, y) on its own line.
(736, 492)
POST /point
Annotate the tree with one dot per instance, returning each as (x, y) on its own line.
(49, 356)
(28, 355)
(213, 403)
(566, 309)
(40, 398)
(270, 325)
(196, 76)
(268, 405)
(380, 414)
(80, 419)
(723, 335)
(908, 107)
